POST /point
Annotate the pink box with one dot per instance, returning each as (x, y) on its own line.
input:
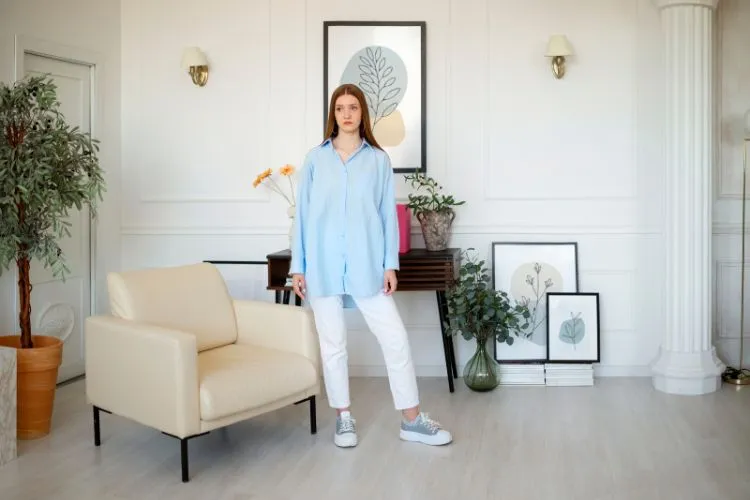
(404, 227)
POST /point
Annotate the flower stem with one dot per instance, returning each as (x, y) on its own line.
(278, 190)
(291, 188)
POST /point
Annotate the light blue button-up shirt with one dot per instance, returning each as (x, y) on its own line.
(345, 233)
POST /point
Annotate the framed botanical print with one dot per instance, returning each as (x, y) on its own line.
(387, 61)
(528, 272)
(573, 327)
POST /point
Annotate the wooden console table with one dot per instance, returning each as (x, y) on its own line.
(421, 270)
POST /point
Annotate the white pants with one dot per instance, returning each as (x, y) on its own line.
(385, 323)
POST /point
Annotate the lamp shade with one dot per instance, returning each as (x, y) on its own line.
(558, 45)
(193, 56)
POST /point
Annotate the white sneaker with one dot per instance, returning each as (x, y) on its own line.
(346, 430)
(425, 430)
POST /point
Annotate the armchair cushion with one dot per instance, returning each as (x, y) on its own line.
(240, 377)
(278, 326)
(191, 298)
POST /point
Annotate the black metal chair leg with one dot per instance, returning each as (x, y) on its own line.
(184, 453)
(97, 433)
(313, 413)
(184, 459)
(313, 417)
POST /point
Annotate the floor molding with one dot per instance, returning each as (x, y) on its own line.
(439, 370)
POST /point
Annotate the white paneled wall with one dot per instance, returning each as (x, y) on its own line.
(537, 159)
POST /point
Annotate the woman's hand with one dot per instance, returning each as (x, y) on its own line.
(390, 282)
(298, 284)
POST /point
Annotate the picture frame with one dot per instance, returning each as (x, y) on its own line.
(387, 61)
(573, 327)
(517, 269)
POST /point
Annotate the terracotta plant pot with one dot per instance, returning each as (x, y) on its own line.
(436, 228)
(36, 383)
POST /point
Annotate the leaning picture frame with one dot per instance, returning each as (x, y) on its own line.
(573, 327)
(387, 61)
(527, 271)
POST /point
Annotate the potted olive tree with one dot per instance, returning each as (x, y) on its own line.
(47, 168)
(433, 210)
(477, 311)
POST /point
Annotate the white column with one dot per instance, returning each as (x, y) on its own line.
(687, 361)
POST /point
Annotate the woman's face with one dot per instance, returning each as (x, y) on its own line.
(348, 113)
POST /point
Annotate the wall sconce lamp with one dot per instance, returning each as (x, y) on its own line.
(558, 48)
(196, 64)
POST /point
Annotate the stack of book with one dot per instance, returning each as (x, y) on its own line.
(520, 374)
(569, 374)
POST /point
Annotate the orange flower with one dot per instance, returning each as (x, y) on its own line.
(287, 169)
(262, 176)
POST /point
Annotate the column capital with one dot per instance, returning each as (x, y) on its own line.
(663, 4)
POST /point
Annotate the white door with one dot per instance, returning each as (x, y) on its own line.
(59, 307)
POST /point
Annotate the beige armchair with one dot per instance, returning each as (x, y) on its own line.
(178, 354)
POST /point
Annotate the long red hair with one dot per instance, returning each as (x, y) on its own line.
(365, 129)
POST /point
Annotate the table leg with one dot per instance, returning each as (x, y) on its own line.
(452, 349)
(448, 348)
(287, 295)
(451, 344)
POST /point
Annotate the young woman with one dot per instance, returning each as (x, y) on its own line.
(345, 254)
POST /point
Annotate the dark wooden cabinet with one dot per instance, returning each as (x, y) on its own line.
(422, 270)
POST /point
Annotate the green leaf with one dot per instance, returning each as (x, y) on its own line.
(431, 202)
(477, 310)
(47, 169)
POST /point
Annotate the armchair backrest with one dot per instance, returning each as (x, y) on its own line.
(192, 298)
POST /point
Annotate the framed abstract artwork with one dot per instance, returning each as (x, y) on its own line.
(527, 272)
(387, 61)
(573, 331)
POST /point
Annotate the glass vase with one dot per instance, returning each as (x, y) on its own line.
(480, 372)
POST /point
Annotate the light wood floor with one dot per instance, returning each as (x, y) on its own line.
(617, 440)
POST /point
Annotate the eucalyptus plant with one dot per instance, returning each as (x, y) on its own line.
(47, 168)
(476, 310)
(433, 200)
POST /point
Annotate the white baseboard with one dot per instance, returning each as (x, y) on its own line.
(439, 371)
(379, 371)
(622, 371)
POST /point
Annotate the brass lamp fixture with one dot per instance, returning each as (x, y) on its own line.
(741, 376)
(558, 48)
(196, 64)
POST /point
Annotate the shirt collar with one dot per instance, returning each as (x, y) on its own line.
(330, 141)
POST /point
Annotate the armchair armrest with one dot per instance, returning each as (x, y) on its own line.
(277, 326)
(143, 372)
